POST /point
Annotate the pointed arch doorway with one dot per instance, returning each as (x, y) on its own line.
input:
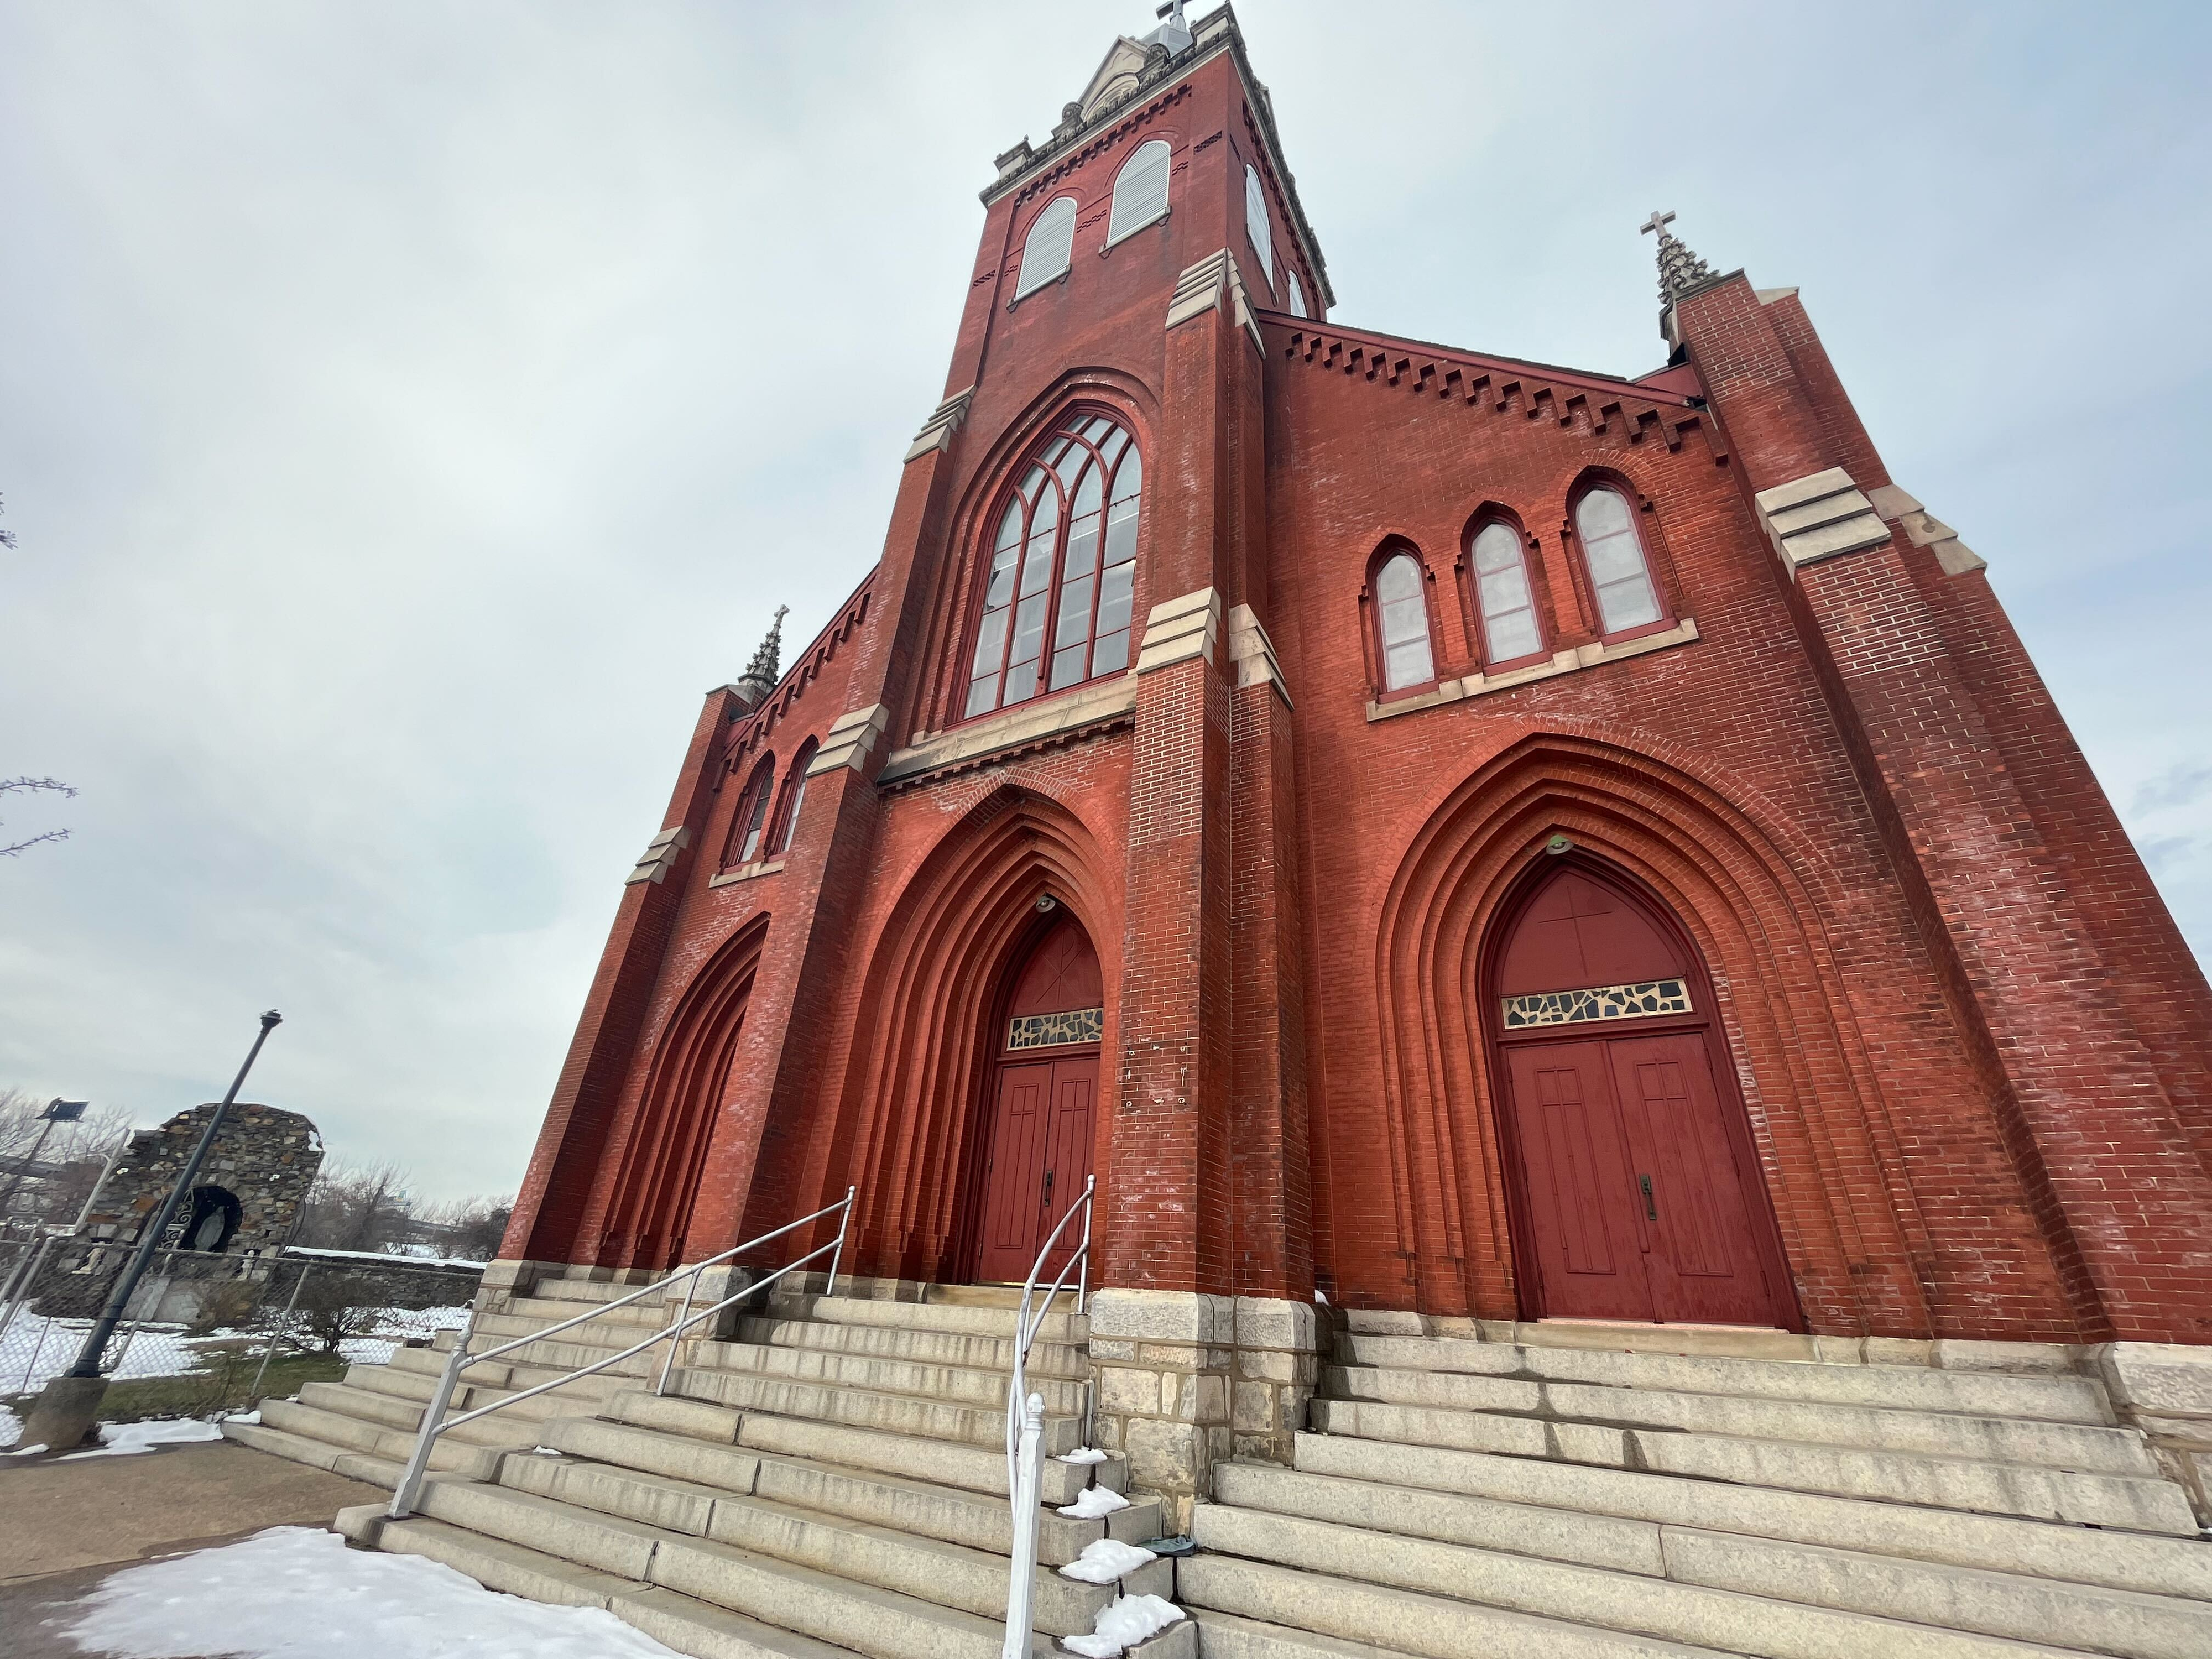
(1041, 1096)
(1633, 1179)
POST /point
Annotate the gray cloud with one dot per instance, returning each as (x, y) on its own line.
(409, 411)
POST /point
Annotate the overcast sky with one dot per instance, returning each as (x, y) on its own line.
(408, 410)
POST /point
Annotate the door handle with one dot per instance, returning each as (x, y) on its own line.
(1047, 1189)
(1650, 1210)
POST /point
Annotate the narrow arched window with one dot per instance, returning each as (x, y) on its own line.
(1256, 225)
(1051, 243)
(1298, 295)
(1620, 575)
(1502, 594)
(744, 844)
(1064, 555)
(1401, 619)
(1141, 193)
(795, 797)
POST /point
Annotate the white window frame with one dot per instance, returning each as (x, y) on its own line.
(1027, 282)
(1117, 231)
(1259, 229)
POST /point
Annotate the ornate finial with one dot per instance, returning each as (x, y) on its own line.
(1679, 269)
(762, 673)
(1175, 32)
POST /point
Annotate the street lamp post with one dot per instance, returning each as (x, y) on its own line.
(66, 1407)
(58, 1111)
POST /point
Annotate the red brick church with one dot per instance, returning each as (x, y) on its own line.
(1432, 830)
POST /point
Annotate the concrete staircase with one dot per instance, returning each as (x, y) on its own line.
(831, 1482)
(1459, 1496)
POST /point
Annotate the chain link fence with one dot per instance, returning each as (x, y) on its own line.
(208, 1332)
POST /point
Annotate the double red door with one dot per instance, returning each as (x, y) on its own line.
(1637, 1202)
(1040, 1157)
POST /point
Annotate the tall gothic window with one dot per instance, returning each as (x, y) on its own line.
(1141, 192)
(794, 796)
(1402, 623)
(1064, 552)
(1255, 224)
(744, 845)
(1510, 629)
(1298, 295)
(1051, 243)
(1620, 573)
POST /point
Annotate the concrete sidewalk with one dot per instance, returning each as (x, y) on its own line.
(66, 1525)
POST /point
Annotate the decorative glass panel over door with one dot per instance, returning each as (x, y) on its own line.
(1064, 555)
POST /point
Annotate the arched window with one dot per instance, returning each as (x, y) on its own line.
(1052, 242)
(1619, 575)
(1065, 549)
(1297, 294)
(1141, 193)
(1256, 225)
(745, 842)
(795, 797)
(1502, 595)
(1401, 620)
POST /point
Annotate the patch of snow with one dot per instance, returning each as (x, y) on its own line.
(1082, 1455)
(1093, 1504)
(1123, 1624)
(11, 1427)
(1106, 1559)
(1321, 1297)
(50, 1346)
(548, 1451)
(243, 1416)
(298, 1593)
(26, 1451)
(121, 1439)
(390, 1258)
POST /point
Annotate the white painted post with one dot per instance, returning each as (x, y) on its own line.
(1027, 1496)
(837, 1257)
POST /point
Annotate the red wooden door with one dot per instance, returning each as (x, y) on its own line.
(1639, 1188)
(1574, 1158)
(1040, 1157)
(1704, 1258)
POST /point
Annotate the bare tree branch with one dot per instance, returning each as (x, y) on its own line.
(30, 785)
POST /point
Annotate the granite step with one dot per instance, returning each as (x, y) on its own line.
(2072, 1446)
(1905, 1387)
(903, 1414)
(952, 1385)
(2153, 1565)
(990, 1353)
(1061, 1325)
(1959, 1599)
(1628, 1604)
(2138, 1503)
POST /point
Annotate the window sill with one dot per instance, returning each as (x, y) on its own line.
(1562, 662)
(1057, 714)
(1159, 218)
(1067, 271)
(746, 872)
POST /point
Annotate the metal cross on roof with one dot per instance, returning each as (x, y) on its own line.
(1657, 221)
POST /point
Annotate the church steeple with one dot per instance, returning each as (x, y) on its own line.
(1680, 271)
(763, 671)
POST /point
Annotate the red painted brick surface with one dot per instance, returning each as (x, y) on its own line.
(1969, 1038)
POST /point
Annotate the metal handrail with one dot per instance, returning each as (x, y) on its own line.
(1025, 1421)
(435, 1422)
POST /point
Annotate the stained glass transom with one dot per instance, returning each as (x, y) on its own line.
(1065, 554)
(1653, 996)
(1056, 1030)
